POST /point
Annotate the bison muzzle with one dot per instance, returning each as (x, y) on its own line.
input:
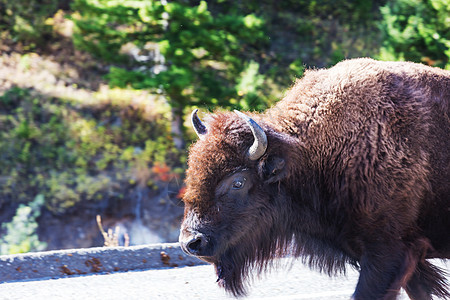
(352, 167)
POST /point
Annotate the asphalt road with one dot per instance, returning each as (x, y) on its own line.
(197, 282)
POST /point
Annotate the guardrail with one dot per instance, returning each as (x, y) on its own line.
(65, 263)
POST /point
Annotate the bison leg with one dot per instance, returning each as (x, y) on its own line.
(417, 289)
(384, 272)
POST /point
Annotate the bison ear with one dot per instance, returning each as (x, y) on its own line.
(273, 169)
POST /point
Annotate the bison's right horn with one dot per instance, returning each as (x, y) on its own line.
(198, 125)
(259, 146)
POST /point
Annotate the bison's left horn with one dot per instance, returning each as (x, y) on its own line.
(198, 125)
(259, 146)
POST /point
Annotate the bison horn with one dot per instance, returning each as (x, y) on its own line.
(198, 125)
(259, 146)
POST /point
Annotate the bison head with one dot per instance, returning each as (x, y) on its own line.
(236, 209)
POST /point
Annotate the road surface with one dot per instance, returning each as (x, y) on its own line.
(197, 282)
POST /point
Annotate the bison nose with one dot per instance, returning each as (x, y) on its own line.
(195, 245)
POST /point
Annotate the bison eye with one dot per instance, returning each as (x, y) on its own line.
(238, 183)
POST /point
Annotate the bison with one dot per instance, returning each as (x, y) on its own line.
(352, 167)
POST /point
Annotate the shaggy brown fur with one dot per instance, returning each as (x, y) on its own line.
(357, 170)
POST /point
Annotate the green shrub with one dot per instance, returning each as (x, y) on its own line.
(26, 20)
(20, 234)
(71, 153)
(417, 30)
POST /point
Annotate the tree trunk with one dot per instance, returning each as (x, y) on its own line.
(177, 128)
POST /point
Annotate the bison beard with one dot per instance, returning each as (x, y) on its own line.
(237, 264)
(255, 249)
(273, 238)
(232, 270)
(352, 167)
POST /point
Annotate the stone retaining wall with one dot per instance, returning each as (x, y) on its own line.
(64, 263)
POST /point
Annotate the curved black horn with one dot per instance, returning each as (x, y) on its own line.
(198, 125)
(259, 146)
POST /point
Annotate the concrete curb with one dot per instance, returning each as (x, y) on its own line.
(64, 263)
